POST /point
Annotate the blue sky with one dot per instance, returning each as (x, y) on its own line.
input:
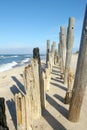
(25, 24)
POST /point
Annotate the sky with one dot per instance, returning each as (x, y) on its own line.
(26, 24)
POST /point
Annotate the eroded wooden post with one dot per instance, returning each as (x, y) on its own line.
(68, 71)
(36, 88)
(29, 82)
(36, 52)
(80, 83)
(33, 101)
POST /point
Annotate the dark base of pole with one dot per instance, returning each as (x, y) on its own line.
(68, 97)
(4, 128)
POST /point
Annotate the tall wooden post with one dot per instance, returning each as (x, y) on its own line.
(68, 71)
(36, 89)
(63, 44)
(69, 45)
(36, 55)
(59, 53)
(80, 83)
(53, 47)
(56, 57)
(48, 50)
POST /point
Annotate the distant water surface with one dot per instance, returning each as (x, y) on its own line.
(13, 60)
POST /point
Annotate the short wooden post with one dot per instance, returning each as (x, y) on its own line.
(80, 83)
(18, 101)
(43, 93)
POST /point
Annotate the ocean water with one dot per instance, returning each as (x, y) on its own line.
(13, 60)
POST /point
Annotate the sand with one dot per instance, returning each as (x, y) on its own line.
(11, 82)
(55, 115)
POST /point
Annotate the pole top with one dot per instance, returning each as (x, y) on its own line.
(71, 22)
(62, 30)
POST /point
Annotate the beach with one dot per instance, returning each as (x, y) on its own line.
(11, 82)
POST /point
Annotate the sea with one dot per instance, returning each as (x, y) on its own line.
(9, 61)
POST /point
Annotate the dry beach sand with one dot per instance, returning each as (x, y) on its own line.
(55, 114)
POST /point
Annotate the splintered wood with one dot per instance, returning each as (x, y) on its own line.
(33, 88)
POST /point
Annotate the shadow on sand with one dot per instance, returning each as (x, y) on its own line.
(15, 90)
(56, 67)
(59, 97)
(56, 71)
(57, 80)
(12, 110)
(58, 107)
(19, 84)
(57, 85)
(56, 125)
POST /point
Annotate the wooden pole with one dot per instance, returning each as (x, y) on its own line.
(56, 57)
(48, 50)
(63, 44)
(61, 52)
(36, 100)
(69, 45)
(80, 83)
(36, 56)
(53, 47)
